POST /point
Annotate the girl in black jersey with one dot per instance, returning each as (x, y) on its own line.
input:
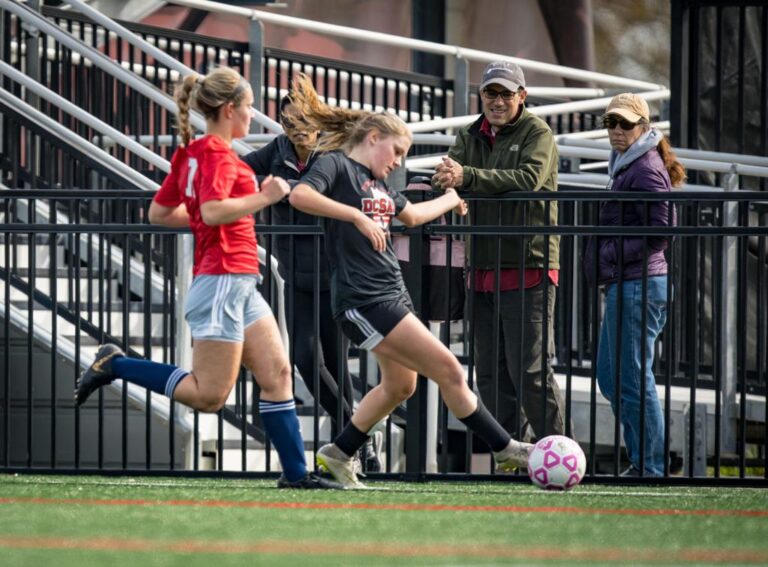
(368, 295)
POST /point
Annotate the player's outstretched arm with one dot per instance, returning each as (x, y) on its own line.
(415, 214)
(226, 211)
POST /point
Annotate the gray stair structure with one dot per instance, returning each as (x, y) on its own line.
(44, 429)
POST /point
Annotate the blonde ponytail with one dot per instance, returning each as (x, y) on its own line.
(184, 94)
(207, 94)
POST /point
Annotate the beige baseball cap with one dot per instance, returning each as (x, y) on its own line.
(630, 106)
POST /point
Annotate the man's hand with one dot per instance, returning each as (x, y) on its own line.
(450, 173)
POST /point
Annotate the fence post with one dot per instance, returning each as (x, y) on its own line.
(727, 331)
(185, 254)
(256, 70)
(417, 405)
(460, 86)
(32, 68)
(571, 165)
(699, 455)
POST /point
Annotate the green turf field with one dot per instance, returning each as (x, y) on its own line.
(61, 521)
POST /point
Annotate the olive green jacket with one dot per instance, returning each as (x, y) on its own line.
(523, 158)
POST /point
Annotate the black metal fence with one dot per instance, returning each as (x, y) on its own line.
(711, 361)
(64, 290)
(719, 77)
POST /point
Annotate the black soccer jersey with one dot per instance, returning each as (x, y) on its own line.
(360, 275)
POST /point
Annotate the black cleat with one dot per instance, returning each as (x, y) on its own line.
(310, 481)
(98, 374)
(631, 471)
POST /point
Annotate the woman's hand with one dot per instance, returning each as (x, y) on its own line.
(372, 230)
(462, 208)
(274, 188)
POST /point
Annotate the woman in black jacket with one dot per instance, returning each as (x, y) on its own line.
(288, 156)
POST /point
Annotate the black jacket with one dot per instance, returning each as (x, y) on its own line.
(278, 158)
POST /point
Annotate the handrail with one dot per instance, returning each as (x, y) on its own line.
(429, 162)
(680, 152)
(416, 44)
(85, 117)
(153, 51)
(106, 64)
(159, 43)
(541, 110)
(689, 163)
(109, 162)
(567, 137)
(262, 139)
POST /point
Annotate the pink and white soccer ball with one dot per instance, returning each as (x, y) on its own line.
(556, 463)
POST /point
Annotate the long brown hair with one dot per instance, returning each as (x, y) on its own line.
(207, 94)
(674, 167)
(342, 128)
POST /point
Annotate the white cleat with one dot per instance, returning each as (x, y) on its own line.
(344, 469)
(513, 456)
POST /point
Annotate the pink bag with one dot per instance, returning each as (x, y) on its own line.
(444, 286)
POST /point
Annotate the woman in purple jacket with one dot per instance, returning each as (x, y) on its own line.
(641, 160)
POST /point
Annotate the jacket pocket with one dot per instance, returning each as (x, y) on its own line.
(607, 259)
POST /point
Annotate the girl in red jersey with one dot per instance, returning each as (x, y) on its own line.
(212, 191)
(369, 298)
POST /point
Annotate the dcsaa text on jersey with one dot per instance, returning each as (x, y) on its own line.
(380, 207)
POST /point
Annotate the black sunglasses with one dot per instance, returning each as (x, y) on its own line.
(610, 123)
(293, 123)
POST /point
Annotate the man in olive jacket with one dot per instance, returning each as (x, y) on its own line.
(507, 150)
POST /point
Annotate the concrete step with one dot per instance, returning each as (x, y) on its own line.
(20, 256)
(44, 372)
(113, 323)
(66, 288)
(62, 272)
(230, 450)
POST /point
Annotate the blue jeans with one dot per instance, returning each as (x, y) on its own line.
(632, 335)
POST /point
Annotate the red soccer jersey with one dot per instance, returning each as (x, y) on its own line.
(209, 170)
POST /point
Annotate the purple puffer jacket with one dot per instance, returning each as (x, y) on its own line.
(646, 174)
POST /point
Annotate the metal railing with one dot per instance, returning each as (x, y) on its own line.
(719, 74)
(711, 365)
(415, 44)
(77, 74)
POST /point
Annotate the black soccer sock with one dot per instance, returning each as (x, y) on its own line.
(487, 428)
(350, 439)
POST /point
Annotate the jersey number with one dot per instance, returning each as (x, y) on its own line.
(190, 192)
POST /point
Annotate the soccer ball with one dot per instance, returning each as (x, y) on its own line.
(556, 463)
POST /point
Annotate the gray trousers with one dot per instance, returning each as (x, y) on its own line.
(518, 360)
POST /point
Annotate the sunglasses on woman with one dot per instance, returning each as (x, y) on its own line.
(293, 123)
(610, 123)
